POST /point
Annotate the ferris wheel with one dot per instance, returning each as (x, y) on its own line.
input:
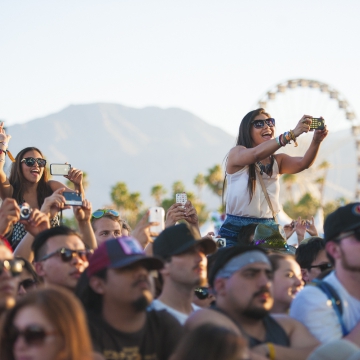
(288, 101)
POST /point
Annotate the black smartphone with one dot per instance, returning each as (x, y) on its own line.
(317, 124)
(72, 198)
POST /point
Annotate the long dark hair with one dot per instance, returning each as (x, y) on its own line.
(17, 179)
(244, 139)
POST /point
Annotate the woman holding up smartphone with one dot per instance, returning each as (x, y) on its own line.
(29, 182)
(255, 148)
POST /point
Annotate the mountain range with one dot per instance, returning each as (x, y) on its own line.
(148, 146)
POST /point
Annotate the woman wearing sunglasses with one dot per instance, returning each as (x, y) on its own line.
(29, 182)
(47, 324)
(255, 149)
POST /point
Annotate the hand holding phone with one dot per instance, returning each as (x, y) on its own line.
(72, 198)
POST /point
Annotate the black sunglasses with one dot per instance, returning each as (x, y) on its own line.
(27, 283)
(258, 124)
(202, 293)
(30, 161)
(15, 267)
(32, 334)
(322, 267)
(67, 255)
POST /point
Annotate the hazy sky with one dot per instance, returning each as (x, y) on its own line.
(213, 58)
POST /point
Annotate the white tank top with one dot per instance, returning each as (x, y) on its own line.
(237, 194)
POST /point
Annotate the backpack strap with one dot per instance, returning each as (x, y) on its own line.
(336, 303)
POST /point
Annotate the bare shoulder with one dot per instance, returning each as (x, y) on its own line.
(233, 159)
(54, 185)
(208, 316)
(287, 323)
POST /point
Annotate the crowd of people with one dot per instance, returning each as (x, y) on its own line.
(111, 292)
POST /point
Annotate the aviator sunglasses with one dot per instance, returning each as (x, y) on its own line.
(98, 214)
(67, 255)
(258, 124)
(30, 161)
(15, 267)
(32, 334)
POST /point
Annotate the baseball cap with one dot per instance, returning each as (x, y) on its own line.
(177, 239)
(118, 253)
(343, 219)
(270, 238)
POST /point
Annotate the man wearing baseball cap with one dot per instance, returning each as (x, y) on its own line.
(116, 293)
(184, 254)
(241, 278)
(333, 312)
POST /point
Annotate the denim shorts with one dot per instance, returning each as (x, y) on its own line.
(233, 224)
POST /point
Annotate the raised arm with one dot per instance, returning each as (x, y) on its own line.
(293, 165)
(6, 190)
(240, 156)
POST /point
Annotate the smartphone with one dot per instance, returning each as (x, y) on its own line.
(72, 198)
(60, 169)
(157, 214)
(181, 198)
(317, 124)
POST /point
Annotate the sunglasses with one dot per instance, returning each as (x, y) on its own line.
(30, 161)
(258, 124)
(202, 293)
(15, 267)
(67, 255)
(98, 214)
(32, 334)
(27, 283)
(322, 267)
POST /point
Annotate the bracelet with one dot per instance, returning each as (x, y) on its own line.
(278, 140)
(281, 137)
(4, 143)
(2, 151)
(287, 137)
(271, 353)
(293, 137)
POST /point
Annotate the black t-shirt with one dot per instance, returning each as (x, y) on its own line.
(155, 341)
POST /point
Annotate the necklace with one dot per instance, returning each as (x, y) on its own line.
(266, 168)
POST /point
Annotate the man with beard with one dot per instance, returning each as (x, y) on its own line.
(184, 255)
(333, 312)
(241, 278)
(116, 293)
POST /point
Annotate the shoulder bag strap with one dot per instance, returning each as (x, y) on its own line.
(265, 192)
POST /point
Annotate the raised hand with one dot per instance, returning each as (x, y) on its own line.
(9, 215)
(54, 203)
(303, 125)
(37, 222)
(175, 213)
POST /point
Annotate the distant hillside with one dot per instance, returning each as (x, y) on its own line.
(141, 147)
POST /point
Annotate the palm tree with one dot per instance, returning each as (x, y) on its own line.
(289, 180)
(199, 182)
(157, 192)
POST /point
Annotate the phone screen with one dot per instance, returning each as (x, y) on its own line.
(72, 198)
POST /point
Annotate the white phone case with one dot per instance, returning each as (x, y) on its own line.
(157, 214)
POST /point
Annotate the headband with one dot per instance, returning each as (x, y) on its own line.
(239, 261)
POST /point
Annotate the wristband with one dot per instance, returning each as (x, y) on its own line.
(271, 353)
(293, 137)
(278, 140)
(4, 143)
(2, 151)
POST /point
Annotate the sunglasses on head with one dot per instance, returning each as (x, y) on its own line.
(202, 293)
(32, 334)
(67, 255)
(15, 267)
(322, 267)
(30, 161)
(100, 213)
(258, 124)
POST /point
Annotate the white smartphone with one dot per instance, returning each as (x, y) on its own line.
(60, 169)
(157, 214)
(181, 198)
